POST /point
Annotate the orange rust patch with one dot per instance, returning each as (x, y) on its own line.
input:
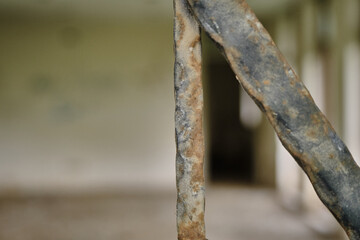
(195, 103)
(267, 82)
(284, 102)
(193, 60)
(195, 150)
(196, 146)
(191, 231)
(201, 216)
(331, 156)
(195, 41)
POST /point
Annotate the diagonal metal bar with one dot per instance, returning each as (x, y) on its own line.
(188, 125)
(274, 86)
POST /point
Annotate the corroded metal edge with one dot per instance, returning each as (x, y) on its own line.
(276, 89)
(188, 125)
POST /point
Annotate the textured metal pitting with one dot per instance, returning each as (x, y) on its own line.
(274, 86)
(188, 125)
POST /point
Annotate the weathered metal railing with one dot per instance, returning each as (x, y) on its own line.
(188, 124)
(274, 86)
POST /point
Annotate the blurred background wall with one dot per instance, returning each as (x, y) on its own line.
(86, 98)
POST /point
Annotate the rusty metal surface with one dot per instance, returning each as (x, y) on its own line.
(274, 86)
(188, 125)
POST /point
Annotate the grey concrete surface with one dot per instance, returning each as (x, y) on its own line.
(232, 213)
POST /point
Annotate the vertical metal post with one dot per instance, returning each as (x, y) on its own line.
(188, 125)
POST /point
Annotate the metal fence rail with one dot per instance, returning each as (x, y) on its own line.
(274, 86)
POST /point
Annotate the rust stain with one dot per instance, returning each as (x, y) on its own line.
(267, 82)
(304, 93)
(253, 93)
(191, 231)
(217, 38)
(282, 58)
(315, 119)
(184, 196)
(181, 30)
(195, 42)
(181, 170)
(246, 69)
(246, 8)
(311, 133)
(319, 120)
(197, 176)
(190, 176)
(193, 58)
(194, 102)
(255, 24)
(257, 83)
(254, 38)
(271, 44)
(234, 53)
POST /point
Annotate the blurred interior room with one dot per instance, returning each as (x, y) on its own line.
(87, 147)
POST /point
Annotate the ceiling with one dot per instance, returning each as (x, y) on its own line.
(115, 8)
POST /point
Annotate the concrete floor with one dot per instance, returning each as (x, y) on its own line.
(232, 213)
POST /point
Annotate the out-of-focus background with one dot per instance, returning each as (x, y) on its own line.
(86, 122)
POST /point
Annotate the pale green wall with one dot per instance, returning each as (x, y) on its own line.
(85, 105)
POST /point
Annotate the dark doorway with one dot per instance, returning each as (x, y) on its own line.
(230, 143)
